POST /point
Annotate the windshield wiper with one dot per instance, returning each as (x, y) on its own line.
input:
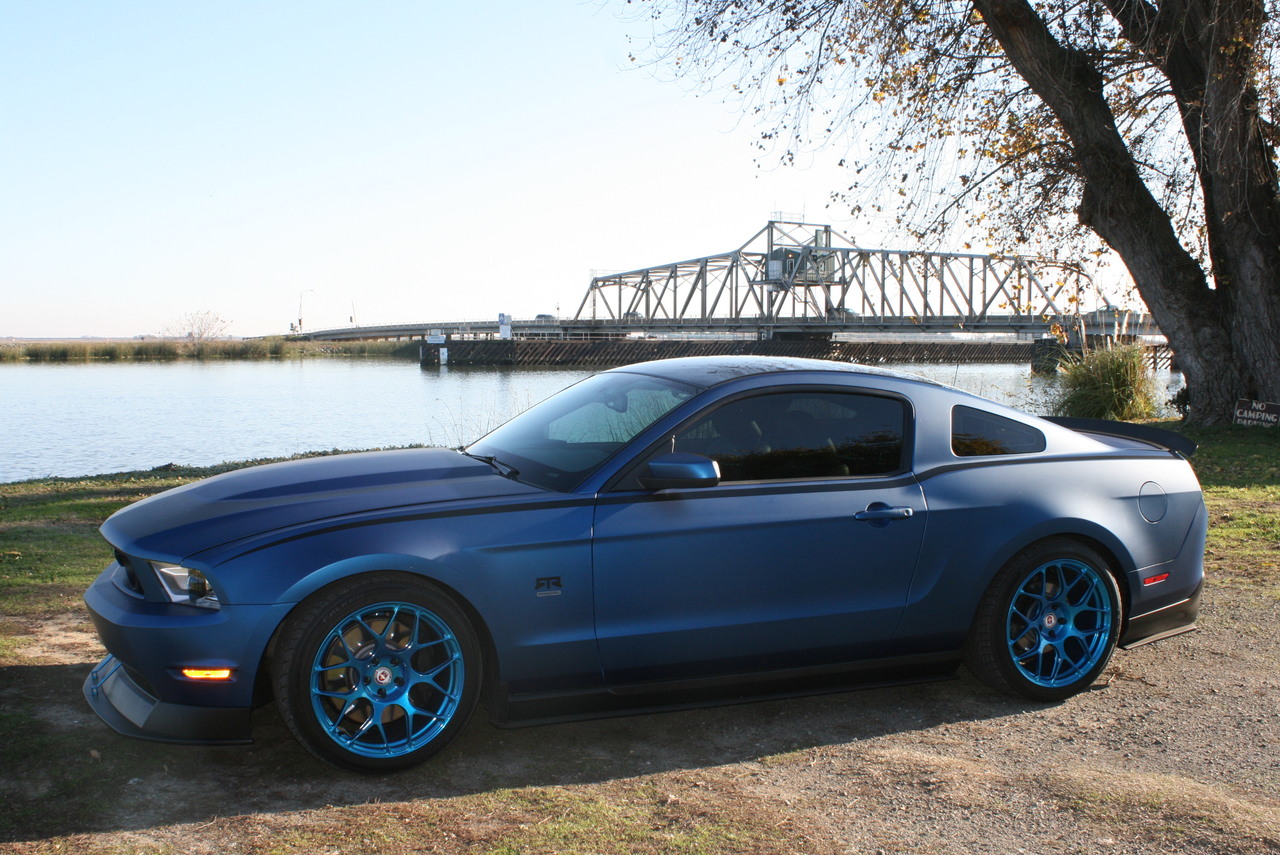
(503, 469)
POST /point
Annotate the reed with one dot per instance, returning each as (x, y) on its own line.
(112, 351)
(59, 351)
(1107, 383)
(155, 349)
(385, 349)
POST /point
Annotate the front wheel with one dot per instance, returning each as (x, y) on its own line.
(1048, 624)
(376, 673)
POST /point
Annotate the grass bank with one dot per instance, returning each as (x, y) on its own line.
(162, 350)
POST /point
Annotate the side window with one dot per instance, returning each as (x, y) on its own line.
(801, 435)
(975, 433)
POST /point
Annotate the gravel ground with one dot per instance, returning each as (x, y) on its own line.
(1176, 749)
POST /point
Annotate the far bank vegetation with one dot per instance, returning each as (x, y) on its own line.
(164, 349)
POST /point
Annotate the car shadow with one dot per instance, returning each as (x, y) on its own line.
(69, 773)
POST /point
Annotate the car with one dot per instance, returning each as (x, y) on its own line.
(662, 535)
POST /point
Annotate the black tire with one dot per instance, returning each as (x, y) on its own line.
(1048, 624)
(376, 673)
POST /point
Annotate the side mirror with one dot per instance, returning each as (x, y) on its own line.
(678, 469)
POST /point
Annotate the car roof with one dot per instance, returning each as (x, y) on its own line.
(708, 371)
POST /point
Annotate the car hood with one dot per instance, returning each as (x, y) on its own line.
(189, 519)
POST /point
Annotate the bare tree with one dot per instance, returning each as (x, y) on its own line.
(1149, 125)
(198, 327)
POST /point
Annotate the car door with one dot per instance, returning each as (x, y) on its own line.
(802, 555)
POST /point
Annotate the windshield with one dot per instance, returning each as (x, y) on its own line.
(560, 441)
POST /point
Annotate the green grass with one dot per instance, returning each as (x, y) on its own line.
(50, 549)
(1239, 469)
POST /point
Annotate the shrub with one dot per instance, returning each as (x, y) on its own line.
(252, 349)
(1107, 383)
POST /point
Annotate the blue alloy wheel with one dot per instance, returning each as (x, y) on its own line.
(1049, 622)
(387, 679)
(376, 673)
(1059, 623)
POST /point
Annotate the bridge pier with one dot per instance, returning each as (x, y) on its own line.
(1048, 354)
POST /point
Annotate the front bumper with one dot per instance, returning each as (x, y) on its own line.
(130, 710)
(140, 690)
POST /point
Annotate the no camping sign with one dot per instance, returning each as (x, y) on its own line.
(1257, 413)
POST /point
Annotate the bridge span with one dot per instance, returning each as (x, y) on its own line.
(801, 281)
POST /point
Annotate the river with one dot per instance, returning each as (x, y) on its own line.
(78, 419)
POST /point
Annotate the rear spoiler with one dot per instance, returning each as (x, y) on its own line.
(1145, 433)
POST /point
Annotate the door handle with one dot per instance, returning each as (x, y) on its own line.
(878, 513)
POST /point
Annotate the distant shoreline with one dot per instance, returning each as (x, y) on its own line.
(169, 350)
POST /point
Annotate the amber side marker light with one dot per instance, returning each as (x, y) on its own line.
(1152, 580)
(207, 673)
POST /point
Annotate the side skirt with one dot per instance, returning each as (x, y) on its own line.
(534, 708)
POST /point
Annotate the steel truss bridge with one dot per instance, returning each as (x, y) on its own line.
(803, 280)
(801, 277)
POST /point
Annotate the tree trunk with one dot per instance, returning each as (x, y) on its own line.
(1226, 337)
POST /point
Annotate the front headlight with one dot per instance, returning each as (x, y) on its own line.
(186, 586)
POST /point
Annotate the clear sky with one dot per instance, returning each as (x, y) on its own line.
(400, 161)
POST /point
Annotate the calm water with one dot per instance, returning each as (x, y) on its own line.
(86, 419)
(79, 419)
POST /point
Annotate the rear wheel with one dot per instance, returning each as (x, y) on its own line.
(1048, 624)
(377, 673)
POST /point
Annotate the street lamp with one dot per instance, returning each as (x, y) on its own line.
(308, 291)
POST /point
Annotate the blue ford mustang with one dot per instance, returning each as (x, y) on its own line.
(655, 536)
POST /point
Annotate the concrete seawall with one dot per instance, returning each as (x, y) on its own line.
(609, 353)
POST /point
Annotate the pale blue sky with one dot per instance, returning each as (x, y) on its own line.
(419, 161)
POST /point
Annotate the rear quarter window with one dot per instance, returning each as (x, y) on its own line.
(977, 433)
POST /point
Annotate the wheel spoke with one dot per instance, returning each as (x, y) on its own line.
(369, 722)
(369, 630)
(1027, 619)
(347, 710)
(411, 642)
(431, 673)
(336, 666)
